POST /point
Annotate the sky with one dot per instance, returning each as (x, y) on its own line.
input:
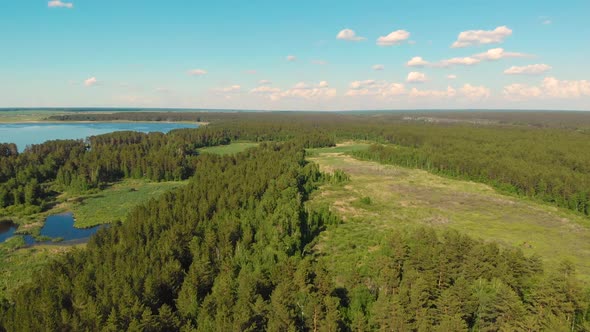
(296, 55)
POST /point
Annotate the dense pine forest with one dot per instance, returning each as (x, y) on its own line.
(234, 250)
(540, 155)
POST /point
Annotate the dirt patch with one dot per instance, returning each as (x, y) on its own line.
(437, 220)
(31, 225)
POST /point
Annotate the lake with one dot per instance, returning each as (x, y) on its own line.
(56, 226)
(23, 134)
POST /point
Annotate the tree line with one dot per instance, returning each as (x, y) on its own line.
(540, 155)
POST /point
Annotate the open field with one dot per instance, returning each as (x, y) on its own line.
(116, 201)
(26, 116)
(232, 148)
(382, 198)
(105, 206)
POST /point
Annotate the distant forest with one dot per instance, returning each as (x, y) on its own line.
(541, 155)
(234, 249)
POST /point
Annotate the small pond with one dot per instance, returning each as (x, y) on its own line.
(57, 226)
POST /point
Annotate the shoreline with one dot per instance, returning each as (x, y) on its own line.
(200, 123)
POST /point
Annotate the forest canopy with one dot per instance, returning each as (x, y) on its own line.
(235, 248)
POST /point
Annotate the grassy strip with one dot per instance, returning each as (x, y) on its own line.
(113, 203)
(26, 116)
(232, 148)
(380, 198)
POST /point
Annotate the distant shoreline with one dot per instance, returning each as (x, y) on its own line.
(105, 121)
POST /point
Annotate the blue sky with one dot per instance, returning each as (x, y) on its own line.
(235, 54)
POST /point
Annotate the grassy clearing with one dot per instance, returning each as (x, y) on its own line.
(113, 203)
(380, 198)
(97, 207)
(232, 148)
(26, 115)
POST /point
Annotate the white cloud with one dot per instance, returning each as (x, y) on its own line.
(474, 92)
(251, 71)
(381, 89)
(451, 76)
(535, 69)
(90, 81)
(394, 38)
(550, 87)
(362, 84)
(300, 90)
(291, 58)
(547, 22)
(468, 91)
(450, 92)
(162, 90)
(349, 34)
(499, 53)
(265, 89)
(59, 4)
(197, 72)
(481, 37)
(417, 62)
(489, 55)
(416, 77)
(264, 82)
(378, 67)
(466, 61)
(521, 91)
(306, 91)
(565, 89)
(230, 89)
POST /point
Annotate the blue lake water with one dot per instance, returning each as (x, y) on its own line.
(62, 226)
(56, 226)
(24, 134)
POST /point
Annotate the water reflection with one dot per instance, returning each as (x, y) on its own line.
(57, 227)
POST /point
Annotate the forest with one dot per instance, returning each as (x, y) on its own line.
(235, 249)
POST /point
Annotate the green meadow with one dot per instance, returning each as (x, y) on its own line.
(379, 199)
(232, 148)
(113, 203)
(26, 115)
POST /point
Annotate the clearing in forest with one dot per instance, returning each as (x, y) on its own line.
(229, 149)
(113, 203)
(379, 199)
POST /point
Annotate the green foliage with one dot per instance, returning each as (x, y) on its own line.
(337, 177)
(232, 148)
(237, 249)
(541, 165)
(366, 200)
(192, 256)
(114, 202)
